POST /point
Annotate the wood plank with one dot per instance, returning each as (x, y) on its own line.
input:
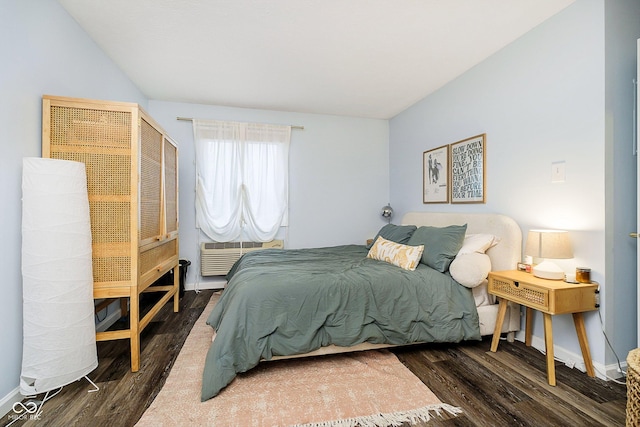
(505, 388)
(576, 388)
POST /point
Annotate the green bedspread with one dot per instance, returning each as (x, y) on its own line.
(282, 302)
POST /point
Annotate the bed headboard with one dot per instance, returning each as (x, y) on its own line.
(504, 255)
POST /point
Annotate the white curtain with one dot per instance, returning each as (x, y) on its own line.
(242, 179)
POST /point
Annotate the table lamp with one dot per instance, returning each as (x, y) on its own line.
(548, 244)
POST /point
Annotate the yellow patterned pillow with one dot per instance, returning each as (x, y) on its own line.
(403, 256)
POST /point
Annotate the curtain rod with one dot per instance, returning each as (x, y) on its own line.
(189, 119)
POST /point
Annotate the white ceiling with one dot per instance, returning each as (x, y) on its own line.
(363, 58)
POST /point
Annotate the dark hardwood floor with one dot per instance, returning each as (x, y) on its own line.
(509, 387)
(506, 388)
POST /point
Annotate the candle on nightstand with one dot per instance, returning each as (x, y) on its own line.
(583, 275)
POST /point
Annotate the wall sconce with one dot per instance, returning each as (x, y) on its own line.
(387, 212)
(548, 244)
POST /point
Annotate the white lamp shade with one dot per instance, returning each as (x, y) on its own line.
(59, 343)
(552, 244)
(548, 244)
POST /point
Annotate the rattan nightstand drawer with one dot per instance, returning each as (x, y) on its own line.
(519, 292)
(548, 296)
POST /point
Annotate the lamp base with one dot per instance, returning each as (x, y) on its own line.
(548, 270)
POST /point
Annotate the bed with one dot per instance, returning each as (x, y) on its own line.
(304, 302)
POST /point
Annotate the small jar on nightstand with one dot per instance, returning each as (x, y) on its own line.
(583, 275)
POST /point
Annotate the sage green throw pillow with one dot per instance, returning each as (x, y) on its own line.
(395, 233)
(441, 244)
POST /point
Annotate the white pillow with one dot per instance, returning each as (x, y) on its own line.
(482, 296)
(403, 256)
(470, 269)
(479, 243)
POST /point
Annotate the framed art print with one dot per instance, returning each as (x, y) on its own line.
(468, 170)
(435, 175)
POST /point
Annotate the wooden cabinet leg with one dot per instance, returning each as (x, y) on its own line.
(528, 328)
(578, 321)
(176, 286)
(134, 330)
(502, 309)
(548, 343)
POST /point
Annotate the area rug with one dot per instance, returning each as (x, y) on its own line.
(369, 388)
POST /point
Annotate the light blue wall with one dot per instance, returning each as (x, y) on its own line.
(43, 52)
(622, 24)
(338, 177)
(541, 100)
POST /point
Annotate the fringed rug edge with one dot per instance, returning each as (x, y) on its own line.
(390, 419)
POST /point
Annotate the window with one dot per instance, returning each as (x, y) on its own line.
(242, 179)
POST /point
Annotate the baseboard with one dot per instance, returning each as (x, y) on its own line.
(206, 283)
(7, 402)
(574, 360)
(617, 372)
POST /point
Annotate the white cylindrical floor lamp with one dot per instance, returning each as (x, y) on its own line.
(59, 342)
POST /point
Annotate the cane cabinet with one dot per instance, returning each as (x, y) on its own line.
(132, 181)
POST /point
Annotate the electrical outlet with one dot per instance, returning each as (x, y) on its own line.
(558, 173)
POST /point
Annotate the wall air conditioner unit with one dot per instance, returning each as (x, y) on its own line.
(217, 258)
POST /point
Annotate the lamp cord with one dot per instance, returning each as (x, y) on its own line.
(610, 346)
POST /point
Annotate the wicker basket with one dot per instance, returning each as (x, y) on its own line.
(633, 388)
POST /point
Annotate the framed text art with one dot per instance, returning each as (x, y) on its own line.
(468, 170)
(435, 175)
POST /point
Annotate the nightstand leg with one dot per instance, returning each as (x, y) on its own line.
(578, 321)
(548, 344)
(528, 329)
(502, 309)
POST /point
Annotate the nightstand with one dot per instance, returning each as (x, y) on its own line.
(550, 297)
